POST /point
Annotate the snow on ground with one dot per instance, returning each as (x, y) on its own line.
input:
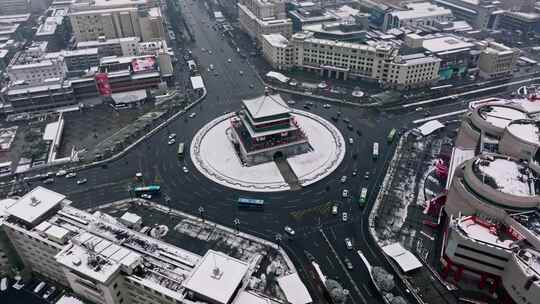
(214, 156)
(328, 149)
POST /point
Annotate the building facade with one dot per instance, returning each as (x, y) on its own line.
(343, 60)
(127, 46)
(497, 60)
(14, 7)
(36, 71)
(481, 14)
(262, 17)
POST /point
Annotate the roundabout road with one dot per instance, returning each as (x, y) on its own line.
(306, 210)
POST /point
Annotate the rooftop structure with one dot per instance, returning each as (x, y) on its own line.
(266, 106)
(422, 13)
(35, 204)
(216, 277)
(445, 44)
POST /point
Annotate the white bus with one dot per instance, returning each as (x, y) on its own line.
(375, 150)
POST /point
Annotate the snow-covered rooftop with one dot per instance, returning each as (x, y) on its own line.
(97, 257)
(131, 218)
(248, 297)
(65, 299)
(266, 105)
(483, 231)
(217, 276)
(445, 43)
(509, 176)
(276, 40)
(500, 116)
(293, 288)
(429, 127)
(526, 130)
(35, 204)
(404, 258)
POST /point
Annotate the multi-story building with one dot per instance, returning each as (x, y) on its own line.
(93, 22)
(44, 97)
(127, 46)
(36, 70)
(419, 13)
(521, 23)
(497, 60)
(262, 17)
(343, 60)
(481, 14)
(14, 7)
(277, 52)
(377, 12)
(77, 60)
(103, 261)
(492, 199)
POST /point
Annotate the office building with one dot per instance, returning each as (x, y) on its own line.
(94, 21)
(481, 14)
(523, 24)
(415, 14)
(77, 60)
(376, 12)
(103, 261)
(42, 97)
(262, 17)
(497, 60)
(378, 62)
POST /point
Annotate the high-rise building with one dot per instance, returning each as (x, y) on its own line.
(497, 60)
(419, 13)
(261, 17)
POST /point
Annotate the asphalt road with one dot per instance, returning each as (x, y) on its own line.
(306, 210)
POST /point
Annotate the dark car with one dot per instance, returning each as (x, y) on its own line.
(348, 263)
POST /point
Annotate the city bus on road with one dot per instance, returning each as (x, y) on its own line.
(375, 150)
(250, 202)
(391, 136)
(180, 152)
(151, 189)
(363, 197)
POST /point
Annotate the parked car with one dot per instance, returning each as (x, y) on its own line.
(344, 216)
(71, 175)
(345, 193)
(185, 169)
(61, 173)
(326, 106)
(351, 140)
(48, 181)
(343, 179)
(355, 172)
(172, 135)
(171, 141)
(146, 196)
(348, 243)
(39, 287)
(192, 115)
(289, 230)
(366, 175)
(49, 292)
(81, 181)
(334, 209)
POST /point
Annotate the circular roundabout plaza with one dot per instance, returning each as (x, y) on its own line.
(213, 153)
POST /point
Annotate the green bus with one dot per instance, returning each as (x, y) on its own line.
(363, 197)
(180, 152)
(391, 135)
(151, 189)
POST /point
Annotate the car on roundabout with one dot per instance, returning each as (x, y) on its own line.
(289, 230)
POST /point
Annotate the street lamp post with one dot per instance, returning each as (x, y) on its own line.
(201, 212)
(236, 223)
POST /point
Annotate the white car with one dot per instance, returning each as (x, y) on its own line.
(61, 173)
(291, 102)
(209, 52)
(71, 174)
(343, 179)
(344, 216)
(229, 60)
(351, 140)
(171, 142)
(345, 193)
(334, 209)
(185, 169)
(211, 67)
(146, 196)
(241, 73)
(326, 106)
(348, 243)
(82, 181)
(289, 230)
(192, 115)
(172, 135)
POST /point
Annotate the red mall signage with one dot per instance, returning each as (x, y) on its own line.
(103, 85)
